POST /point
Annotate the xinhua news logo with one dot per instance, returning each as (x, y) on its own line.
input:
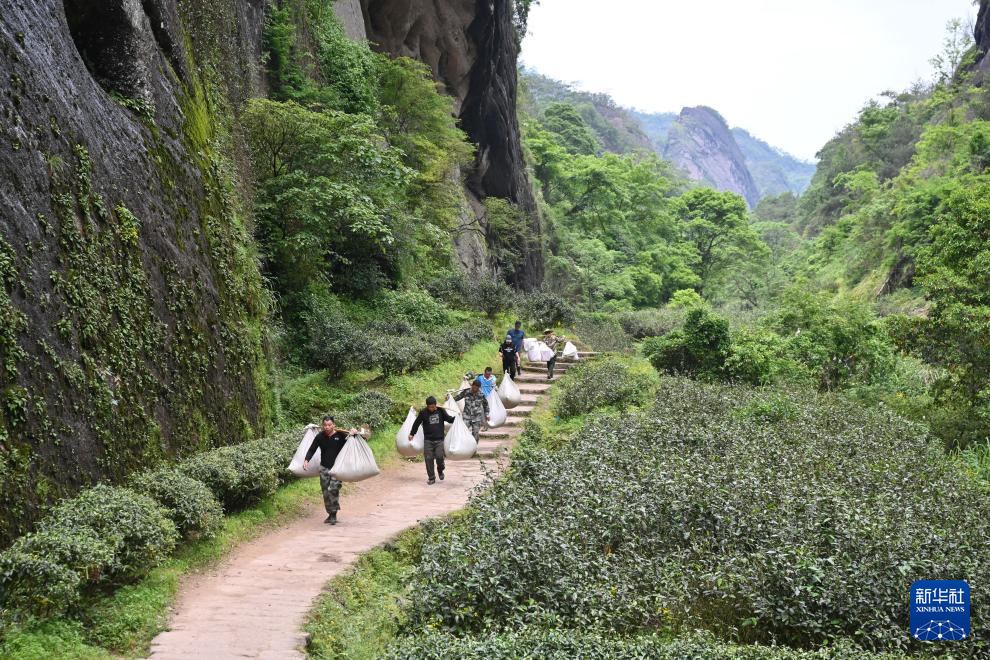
(939, 610)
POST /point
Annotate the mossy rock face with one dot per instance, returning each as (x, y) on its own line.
(131, 306)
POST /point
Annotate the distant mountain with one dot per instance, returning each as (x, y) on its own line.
(615, 127)
(657, 126)
(700, 143)
(698, 140)
(774, 170)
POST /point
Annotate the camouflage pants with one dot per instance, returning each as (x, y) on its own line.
(474, 425)
(331, 491)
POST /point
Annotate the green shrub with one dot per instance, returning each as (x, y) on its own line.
(396, 354)
(704, 512)
(43, 573)
(562, 644)
(699, 349)
(686, 299)
(417, 308)
(189, 503)
(651, 322)
(545, 309)
(603, 333)
(330, 340)
(371, 407)
(759, 357)
(491, 296)
(239, 475)
(137, 530)
(600, 383)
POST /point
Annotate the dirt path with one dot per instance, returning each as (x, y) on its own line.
(254, 604)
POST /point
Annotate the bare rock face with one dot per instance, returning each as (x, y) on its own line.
(129, 308)
(470, 45)
(701, 143)
(982, 36)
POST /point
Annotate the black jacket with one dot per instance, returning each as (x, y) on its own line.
(329, 447)
(432, 423)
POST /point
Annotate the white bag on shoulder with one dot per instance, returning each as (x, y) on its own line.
(459, 443)
(355, 462)
(570, 351)
(540, 352)
(402, 444)
(528, 343)
(451, 406)
(465, 385)
(296, 464)
(496, 410)
(509, 392)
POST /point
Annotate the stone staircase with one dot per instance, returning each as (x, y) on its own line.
(535, 388)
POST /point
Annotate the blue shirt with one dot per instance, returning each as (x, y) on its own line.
(487, 384)
(517, 338)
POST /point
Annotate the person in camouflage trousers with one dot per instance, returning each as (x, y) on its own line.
(475, 408)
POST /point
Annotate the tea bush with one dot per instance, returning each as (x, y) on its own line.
(43, 573)
(239, 475)
(799, 523)
(417, 308)
(555, 644)
(546, 309)
(137, 530)
(371, 407)
(651, 322)
(330, 340)
(603, 333)
(189, 503)
(600, 383)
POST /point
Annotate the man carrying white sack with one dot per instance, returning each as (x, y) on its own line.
(475, 408)
(432, 419)
(329, 441)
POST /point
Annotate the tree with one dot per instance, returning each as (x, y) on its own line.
(953, 270)
(716, 225)
(563, 120)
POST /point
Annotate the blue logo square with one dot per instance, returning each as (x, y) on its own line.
(939, 610)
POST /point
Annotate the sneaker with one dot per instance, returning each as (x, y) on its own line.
(331, 520)
(430, 482)
(441, 475)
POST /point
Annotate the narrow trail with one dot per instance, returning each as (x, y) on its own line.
(253, 605)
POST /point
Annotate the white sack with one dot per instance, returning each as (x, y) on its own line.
(355, 462)
(451, 406)
(570, 351)
(465, 385)
(540, 352)
(459, 443)
(528, 343)
(509, 392)
(496, 410)
(402, 443)
(296, 465)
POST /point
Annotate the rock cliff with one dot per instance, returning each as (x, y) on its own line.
(471, 47)
(130, 301)
(701, 144)
(982, 36)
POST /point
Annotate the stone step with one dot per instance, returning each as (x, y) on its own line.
(520, 411)
(515, 421)
(501, 433)
(536, 388)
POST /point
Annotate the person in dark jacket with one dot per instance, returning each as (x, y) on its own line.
(432, 419)
(329, 441)
(509, 357)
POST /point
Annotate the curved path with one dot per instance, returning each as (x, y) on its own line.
(254, 604)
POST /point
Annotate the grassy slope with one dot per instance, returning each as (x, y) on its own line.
(126, 621)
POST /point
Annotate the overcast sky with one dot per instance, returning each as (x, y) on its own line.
(792, 72)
